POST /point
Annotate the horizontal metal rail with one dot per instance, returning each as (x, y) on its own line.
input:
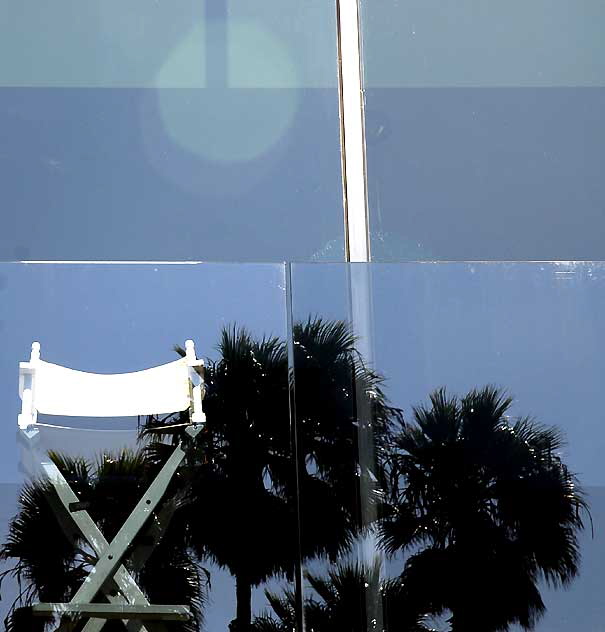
(113, 611)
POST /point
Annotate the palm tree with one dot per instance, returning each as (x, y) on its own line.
(242, 517)
(487, 509)
(331, 380)
(52, 560)
(244, 477)
(342, 603)
(249, 476)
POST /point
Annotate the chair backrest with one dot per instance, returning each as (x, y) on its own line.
(55, 390)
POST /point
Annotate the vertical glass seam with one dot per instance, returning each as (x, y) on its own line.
(298, 574)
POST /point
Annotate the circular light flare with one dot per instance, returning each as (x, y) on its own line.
(241, 119)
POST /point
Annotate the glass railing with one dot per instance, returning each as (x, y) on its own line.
(385, 446)
(484, 129)
(203, 131)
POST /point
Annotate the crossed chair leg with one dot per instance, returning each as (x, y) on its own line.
(126, 601)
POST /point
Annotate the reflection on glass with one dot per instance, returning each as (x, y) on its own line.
(210, 546)
(149, 133)
(421, 453)
(244, 519)
(485, 129)
(486, 478)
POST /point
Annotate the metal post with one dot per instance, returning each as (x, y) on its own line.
(352, 131)
(357, 233)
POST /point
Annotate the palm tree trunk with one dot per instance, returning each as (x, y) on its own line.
(461, 622)
(243, 597)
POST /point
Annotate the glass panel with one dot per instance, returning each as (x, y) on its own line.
(143, 133)
(231, 501)
(342, 418)
(465, 482)
(485, 129)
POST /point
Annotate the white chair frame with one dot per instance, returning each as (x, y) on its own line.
(113, 395)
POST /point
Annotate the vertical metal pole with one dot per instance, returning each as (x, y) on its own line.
(360, 310)
(357, 243)
(216, 23)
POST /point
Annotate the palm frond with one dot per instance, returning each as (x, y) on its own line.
(482, 502)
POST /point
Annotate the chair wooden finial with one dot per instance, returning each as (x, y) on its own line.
(35, 355)
(190, 350)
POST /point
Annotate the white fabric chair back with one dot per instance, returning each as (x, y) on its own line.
(61, 391)
(56, 390)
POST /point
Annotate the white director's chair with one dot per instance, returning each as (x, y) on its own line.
(55, 390)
